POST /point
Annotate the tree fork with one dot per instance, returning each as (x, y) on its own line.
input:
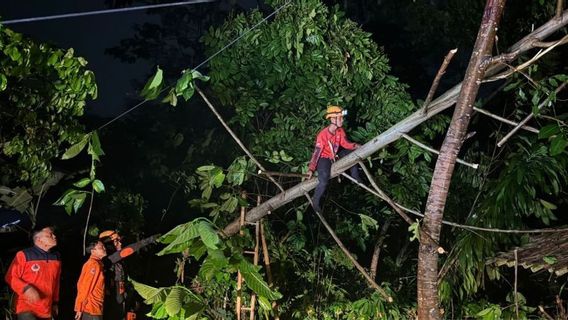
(427, 288)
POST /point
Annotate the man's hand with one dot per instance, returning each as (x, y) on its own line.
(310, 174)
(31, 294)
(55, 310)
(78, 315)
(357, 146)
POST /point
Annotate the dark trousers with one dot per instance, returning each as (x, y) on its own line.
(324, 171)
(29, 316)
(87, 316)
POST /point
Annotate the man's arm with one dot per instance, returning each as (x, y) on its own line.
(14, 274)
(346, 143)
(132, 248)
(85, 285)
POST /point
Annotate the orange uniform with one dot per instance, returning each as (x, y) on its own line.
(34, 267)
(91, 288)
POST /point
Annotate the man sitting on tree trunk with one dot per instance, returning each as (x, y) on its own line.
(327, 149)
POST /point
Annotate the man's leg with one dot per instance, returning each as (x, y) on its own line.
(87, 316)
(323, 168)
(354, 170)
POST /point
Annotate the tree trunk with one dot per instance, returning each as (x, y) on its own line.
(428, 302)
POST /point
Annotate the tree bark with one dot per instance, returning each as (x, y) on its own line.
(428, 302)
(438, 105)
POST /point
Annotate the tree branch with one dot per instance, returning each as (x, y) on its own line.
(436, 81)
(507, 121)
(423, 146)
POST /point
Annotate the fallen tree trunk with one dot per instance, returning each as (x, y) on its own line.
(395, 132)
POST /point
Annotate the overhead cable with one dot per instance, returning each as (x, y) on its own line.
(99, 12)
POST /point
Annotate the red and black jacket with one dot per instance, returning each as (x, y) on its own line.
(327, 145)
(33, 267)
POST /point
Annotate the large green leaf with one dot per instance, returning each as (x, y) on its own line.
(557, 145)
(254, 281)
(150, 294)
(98, 186)
(174, 301)
(152, 88)
(75, 149)
(183, 240)
(208, 235)
(95, 149)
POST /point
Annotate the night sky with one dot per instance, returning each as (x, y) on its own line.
(89, 36)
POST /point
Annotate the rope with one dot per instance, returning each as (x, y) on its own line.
(99, 12)
(201, 64)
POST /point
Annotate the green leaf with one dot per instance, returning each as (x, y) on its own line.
(205, 168)
(557, 145)
(197, 75)
(152, 88)
(254, 281)
(3, 82)
(75, 149)
(415, 230)
(183, 82)
(174, 301)
(548, 131)
(150, 294)
(98, 186)
(548, 205)
(81, 183)
(79, 200)
(550, 260)
(95, 149)
(208, 235)
(184, 236)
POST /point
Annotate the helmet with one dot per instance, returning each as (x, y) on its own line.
(109, 234)
(334, 111)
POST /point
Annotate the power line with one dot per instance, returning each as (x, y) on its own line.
(99, 12)
(199, 65)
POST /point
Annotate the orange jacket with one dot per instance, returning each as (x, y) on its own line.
(91, 288)
(36, 268)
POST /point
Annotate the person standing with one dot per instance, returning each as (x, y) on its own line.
(91, 285)
(331, 143)
(34, 276)
(115, 304)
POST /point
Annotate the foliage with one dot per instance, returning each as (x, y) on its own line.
(199, 239)
(73, 199)
(43, 92)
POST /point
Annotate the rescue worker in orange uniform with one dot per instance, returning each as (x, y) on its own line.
(91, 285)
(115, 304)
(331, 143)
(34, 276)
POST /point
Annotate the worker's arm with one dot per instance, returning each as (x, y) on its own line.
(344, 142)
(132, 248)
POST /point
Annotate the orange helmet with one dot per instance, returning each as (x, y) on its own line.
(112, 234)
(334, 112)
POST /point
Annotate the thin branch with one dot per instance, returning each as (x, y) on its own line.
(377, 250)
(436, 81)
(383, 196)
(239, 142)
(38, 201)
(515, 287)
(457, 225)
(361, 270)
(534, 44)
(423, 146)
(283, 174)
(525, 120)
(87, 222)
(505, 120)
(544, 313)
(559, 7)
